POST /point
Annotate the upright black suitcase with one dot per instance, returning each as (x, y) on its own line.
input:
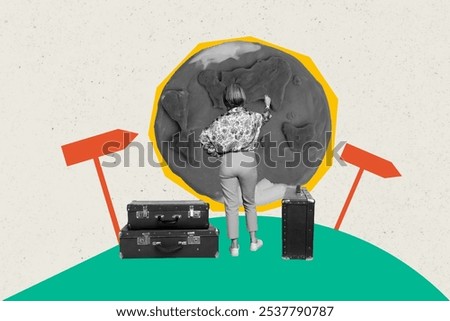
(297, 224)
(169, 243)
(168, 215)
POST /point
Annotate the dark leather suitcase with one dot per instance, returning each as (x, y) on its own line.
(168, 215)
(297, 224)
(169, 243)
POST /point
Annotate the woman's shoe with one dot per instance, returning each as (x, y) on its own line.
(256, 246)
(234, 251)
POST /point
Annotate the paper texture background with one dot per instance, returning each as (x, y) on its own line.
(70, 70)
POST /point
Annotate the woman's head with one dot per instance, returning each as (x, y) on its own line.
(234, 96)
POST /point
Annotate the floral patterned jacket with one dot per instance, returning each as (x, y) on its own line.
(235, 131)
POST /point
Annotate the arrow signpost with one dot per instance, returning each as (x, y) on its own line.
(366, 162)
(91, 149)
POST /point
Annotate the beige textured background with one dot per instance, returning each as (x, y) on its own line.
(69, 70)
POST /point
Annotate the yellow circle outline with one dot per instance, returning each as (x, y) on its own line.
(308, 63)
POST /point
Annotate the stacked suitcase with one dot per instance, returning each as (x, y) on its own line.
(167, 229)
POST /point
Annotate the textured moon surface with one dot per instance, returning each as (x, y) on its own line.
(292, 143)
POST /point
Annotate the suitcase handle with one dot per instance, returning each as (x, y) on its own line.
(169, 221)
(171, 249)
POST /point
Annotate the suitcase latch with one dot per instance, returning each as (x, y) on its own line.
(144, 213)
(192, 213)
(144, 239)
(193, 239)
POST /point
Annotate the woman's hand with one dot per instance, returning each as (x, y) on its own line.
(267, 101)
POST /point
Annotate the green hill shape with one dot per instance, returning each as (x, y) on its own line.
(344, 268)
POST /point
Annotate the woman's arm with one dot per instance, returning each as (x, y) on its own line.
(207, 144)
(267, 111)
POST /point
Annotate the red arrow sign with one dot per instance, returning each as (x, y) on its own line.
(365, 161)
(369, 162)
(94, 147)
